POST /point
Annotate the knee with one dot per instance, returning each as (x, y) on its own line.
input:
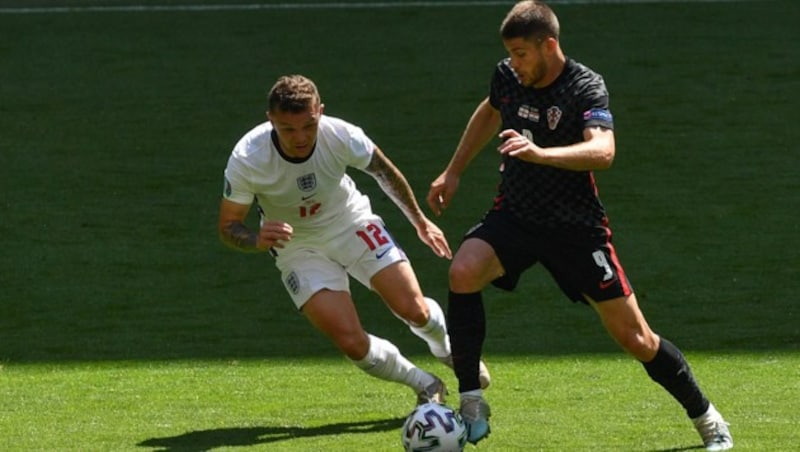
(643, 345)
(415, 312)
(462, 277)
(355, 345)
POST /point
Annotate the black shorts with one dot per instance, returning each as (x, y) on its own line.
(581, 260)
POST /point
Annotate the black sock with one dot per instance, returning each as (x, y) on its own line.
(670, 369)
(466, 324)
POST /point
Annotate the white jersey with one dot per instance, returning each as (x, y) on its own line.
(313, 194)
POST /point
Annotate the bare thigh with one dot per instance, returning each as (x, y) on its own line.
(474, 266)
(398, 286)
(333, 313)
(625, 322)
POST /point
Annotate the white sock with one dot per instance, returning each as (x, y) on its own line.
(473, 393)
(435, 331)
(711, 413)
(385, 361)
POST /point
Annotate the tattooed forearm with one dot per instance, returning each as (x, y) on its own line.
(238, 236)
(395, 185)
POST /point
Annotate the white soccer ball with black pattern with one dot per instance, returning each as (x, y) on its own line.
(434, 427)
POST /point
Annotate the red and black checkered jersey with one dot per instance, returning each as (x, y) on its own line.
(539, 195)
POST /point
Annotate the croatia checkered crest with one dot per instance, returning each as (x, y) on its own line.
(434, 427)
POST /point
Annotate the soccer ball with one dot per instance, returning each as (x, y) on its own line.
(434, 427)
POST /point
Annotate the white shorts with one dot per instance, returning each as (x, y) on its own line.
(311, 264)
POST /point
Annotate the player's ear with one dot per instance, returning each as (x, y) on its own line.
(550, 44)
(321, 108)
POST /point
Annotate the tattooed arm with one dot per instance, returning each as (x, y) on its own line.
(234, 233)
(395, 185)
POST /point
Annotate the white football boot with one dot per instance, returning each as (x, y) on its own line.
(714, 430)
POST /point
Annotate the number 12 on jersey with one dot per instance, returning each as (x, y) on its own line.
(308, 211)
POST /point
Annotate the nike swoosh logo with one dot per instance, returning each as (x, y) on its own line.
(308, 197)
(607, 284)
(383, 253)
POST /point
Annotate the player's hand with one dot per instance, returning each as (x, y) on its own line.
(431, 235)
(441, 192)
(274, 234)
(516, 145)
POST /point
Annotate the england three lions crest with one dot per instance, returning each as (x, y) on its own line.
(307, 182)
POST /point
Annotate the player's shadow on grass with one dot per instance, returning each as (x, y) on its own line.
(204, 440)
(679, 449)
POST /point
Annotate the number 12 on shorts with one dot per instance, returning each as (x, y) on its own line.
(374, 236)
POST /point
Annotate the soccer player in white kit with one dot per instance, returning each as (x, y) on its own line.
(320, 229)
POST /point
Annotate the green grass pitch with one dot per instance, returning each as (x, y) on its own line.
(125, 325)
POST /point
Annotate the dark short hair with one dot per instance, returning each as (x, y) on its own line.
(530, 20)
(293, 94)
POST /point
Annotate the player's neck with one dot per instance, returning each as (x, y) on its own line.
(554, 68)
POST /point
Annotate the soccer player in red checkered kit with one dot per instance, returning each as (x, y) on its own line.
(553, 119)
(321, 230)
